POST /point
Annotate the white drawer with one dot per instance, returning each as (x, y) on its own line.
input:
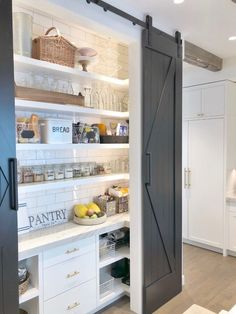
(64, 276)
(71, 249)
(80, 300)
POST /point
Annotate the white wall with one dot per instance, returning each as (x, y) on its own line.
(194, 75)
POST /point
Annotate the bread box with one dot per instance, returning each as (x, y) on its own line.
(56, 131)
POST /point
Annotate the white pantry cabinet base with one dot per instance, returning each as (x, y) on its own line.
(65, 265)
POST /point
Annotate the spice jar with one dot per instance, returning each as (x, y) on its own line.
(77, 171)
(59, 172)
(38, 174)
(68, 172)
(107, 168)
(28, 176)
(49, 174)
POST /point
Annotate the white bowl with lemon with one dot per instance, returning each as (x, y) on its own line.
(89, 214)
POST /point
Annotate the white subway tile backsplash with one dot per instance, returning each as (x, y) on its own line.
(43, 20)
(64, 197)
(62, 27)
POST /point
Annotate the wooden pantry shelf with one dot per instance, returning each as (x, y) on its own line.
(123, 252)
(26, 105)
(30, 294)
(30, 65)
(28, 147)
(60, 184)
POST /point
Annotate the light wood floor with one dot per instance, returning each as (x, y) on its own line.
(210, 281)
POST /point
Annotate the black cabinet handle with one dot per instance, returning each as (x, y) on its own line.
(13, 183)
(149, 168)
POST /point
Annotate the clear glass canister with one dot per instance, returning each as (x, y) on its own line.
(59, 171)
(49, 174)
(38, 174)
(28, 176)
(22, 31)
(77, 170)
(85, 170)
(68, 172)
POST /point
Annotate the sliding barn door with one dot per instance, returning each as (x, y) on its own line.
(162, 182)
(8, 187)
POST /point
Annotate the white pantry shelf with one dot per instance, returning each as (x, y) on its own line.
(60, 184)
(123, 252)
(28, 147)
(30, 294)
(27, 105)
(26, 64)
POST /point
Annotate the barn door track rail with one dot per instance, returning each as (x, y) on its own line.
(148, 24)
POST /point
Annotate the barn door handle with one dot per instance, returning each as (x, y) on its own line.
(13, 183)
(185, 178)
(149, 169)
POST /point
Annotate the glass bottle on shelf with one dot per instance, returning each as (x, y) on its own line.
(87, 97)
(70, 88)
(77, 170)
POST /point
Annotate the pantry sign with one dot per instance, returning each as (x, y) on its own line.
(29, 221)
(47, 219)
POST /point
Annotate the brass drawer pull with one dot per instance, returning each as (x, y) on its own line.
(72, 251)
(75, 273)
(71, 307)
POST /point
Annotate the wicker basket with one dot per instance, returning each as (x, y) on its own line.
(55, 49)
(24, 286)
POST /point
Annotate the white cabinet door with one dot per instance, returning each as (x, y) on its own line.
(206, 162)
(232, 231)
(213, 100)
(185, 190)
(192, 103)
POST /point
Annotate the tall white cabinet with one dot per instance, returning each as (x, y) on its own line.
(209, 116)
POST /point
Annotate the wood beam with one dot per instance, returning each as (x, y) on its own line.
(202, 58)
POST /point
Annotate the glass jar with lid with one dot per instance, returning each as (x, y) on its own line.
(59, 171)
(28, 176)
(68, 171)
(85, 169)
(49, 174)
(77, 170)
(38, 173)
(19, 174)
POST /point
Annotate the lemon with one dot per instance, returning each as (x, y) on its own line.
(80, 210)
(94, 207)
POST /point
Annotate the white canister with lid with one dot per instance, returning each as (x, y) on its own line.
(56, 131)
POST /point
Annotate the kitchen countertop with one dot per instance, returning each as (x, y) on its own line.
(34, 242)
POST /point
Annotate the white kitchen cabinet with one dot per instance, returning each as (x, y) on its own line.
(192, 103)
(204, 101)
(79, 300)
(213, 100)
(205, 181)
(208, 162)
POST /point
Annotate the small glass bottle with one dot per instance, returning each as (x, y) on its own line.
(38, 174)
(86, 170)
(68, 172)
(59, 172)
(49, 174)
(28, 176)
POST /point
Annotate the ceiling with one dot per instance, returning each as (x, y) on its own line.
(206, 23)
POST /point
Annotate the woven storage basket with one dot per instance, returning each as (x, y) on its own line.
(24, 286)
(55, 49)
